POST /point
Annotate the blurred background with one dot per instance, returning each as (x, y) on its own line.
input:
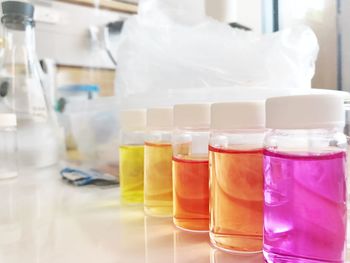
(77, 45)
(76, 31)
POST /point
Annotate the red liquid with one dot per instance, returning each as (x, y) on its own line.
(236, 208)
(191, 193)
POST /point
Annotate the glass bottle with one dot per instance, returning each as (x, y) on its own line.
(131, 156)
(190, 166)
(158, 160)
(21, 91)
(305, 191)
(236, 175)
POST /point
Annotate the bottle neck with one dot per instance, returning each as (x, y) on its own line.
(19, 37)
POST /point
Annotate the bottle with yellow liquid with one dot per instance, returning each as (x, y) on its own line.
(158, 159)
(131, 156)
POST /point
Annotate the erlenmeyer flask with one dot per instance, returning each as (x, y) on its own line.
(21, 90)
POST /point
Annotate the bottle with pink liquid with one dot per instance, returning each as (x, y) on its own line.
(305, 180)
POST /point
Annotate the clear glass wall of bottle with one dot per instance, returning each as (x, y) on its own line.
(158, 183)
(190, 166)
(131, 156)
(305, 207)
(8, 146)
(236, 175)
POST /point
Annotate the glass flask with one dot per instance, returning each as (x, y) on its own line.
(21, 91)
(8, 146)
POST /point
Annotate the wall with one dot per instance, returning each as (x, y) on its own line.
(219, 10)
(64, 36)
(248, 13)
(321, 16)
(344, 35)
(69, 44)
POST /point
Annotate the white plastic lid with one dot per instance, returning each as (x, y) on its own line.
(238, 115)
(160, 118)
(8, 120)
(305, 112)
(133, 119)
(192, 115)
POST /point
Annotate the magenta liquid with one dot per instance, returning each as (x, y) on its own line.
(304, 207)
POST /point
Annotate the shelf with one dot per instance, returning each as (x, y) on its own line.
(107, 4)
(68, 75)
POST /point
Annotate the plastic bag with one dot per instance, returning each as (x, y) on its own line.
(171, 53)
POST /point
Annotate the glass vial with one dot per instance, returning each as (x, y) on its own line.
(8, 146)
(305, 179)
(236, 175)
(190, 166)
(131, 155)
(158, 160)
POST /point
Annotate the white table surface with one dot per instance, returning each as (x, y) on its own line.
(44, 220)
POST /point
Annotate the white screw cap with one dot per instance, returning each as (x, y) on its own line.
(192, 115)
(133, 119)
(161, 118)
(238, 115)
(8, 120)
(305, 112)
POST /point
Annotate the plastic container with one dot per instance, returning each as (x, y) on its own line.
(305, 213)
(158, 200)
(190, 166)
(94, 134)
(131, 155)
(8, 146)
(74, 103)
(236, 175)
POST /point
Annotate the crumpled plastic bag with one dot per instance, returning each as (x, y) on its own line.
(171, 53)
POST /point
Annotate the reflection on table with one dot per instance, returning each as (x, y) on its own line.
(43, 219)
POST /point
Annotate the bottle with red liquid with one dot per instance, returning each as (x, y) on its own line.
(236, 175)
(190, 166)
(305, 179)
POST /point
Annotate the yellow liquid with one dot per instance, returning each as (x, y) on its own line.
(131, 173)
(158, 179)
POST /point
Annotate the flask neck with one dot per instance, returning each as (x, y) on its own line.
(20, 59)
(19, 37)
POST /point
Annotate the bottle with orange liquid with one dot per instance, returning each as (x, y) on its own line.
(158, 192)
(236, 175)
(190, 166)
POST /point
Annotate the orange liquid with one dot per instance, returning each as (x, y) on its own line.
(236, 199)
(158, 179)
(191, 193)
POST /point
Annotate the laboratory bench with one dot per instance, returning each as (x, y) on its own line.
(45, 220)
